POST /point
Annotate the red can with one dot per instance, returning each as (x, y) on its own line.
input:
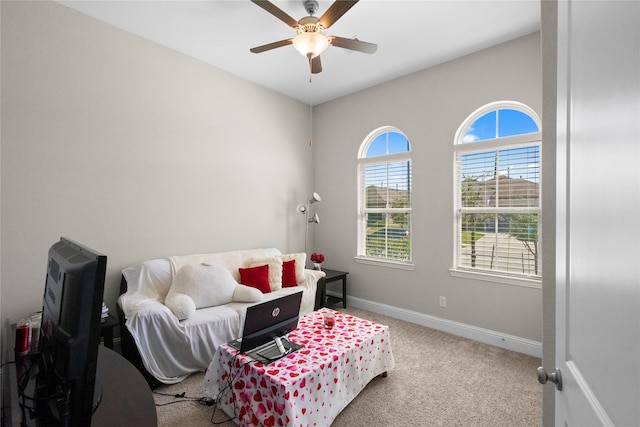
(22, 338)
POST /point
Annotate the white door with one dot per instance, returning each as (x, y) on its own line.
(598, 213)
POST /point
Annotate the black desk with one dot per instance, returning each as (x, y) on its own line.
(126, 401)
(332, 276)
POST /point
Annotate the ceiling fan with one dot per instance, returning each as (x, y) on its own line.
(311, 41)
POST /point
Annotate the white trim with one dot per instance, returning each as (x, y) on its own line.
(497, 278)
(383, 159)
(498, 339)
(504, 143)
(383, 262)
(594, 403)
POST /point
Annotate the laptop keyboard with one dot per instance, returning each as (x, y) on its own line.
(235, 343)
(271, 351)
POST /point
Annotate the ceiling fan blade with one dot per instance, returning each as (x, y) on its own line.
(269, 46)
(353, 44)
(277, 12)
(316, 65)
(335, 11)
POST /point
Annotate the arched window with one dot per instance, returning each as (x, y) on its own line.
(497, 191)
(384, 196)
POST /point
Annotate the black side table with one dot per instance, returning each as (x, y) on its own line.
(333, 276)
(106, 330)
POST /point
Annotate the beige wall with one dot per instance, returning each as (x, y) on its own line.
(140, 152)
(135, 150)
(428, 107)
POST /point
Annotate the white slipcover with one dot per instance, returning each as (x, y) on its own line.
(172, 349)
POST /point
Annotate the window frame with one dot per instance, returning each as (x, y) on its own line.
(362, 210)
(496, 144)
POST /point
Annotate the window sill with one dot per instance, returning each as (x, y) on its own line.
(384, 263)
(497, 278)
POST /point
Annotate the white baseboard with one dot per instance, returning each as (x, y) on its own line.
(487, 336)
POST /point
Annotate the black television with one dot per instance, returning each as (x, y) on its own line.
(67, 392)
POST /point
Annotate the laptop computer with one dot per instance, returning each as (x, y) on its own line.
(264, 323)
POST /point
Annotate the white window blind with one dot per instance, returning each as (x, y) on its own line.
(384, 181)
(498, 210)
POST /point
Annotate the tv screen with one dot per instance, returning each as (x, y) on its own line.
(66, 392)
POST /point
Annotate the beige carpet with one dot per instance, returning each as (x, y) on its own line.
(439, 380)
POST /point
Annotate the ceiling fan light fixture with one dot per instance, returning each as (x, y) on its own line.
(310, 44)
(310, 40)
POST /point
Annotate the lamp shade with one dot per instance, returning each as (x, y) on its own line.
(315, 198)
(310, 44)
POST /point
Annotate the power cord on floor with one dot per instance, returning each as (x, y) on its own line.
(229, 387)
(183, 398)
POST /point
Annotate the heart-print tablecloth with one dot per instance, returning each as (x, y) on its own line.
(306, 388)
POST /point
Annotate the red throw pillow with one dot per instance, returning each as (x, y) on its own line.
(256, 277)
(289, 274)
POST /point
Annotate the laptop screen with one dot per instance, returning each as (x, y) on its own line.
(265, 321)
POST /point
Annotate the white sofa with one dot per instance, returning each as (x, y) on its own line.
(169, 349)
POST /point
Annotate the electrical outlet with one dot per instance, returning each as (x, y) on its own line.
(443, 301)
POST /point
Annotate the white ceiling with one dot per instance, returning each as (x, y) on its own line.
(411, 35)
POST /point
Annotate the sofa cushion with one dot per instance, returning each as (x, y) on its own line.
(300, 259)
(151, 279)
(289, 274)
(205, 285)
(232, 260)
(256, 277)
(275, 270)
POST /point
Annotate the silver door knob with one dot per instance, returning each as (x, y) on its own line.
(554, 377)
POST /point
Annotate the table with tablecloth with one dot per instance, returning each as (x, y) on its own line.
(308, 387)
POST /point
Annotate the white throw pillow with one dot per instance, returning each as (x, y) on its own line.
(205, 285)
(275, 270)
(301, 259)
(245, 293)
(180, 304)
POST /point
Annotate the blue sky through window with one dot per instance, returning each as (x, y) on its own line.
(388, 143)
(500, 124)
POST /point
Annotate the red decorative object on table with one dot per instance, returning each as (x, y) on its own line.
(317, 260)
